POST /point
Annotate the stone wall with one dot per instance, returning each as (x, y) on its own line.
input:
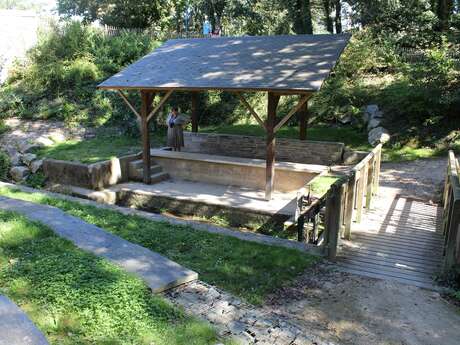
(93, 176)
(289, 150)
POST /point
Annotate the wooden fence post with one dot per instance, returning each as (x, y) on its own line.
(349, 205)
(370, 182)
(378, 161)
(332, 226)
(360, 194)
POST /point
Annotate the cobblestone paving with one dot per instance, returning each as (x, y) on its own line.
(245, 323)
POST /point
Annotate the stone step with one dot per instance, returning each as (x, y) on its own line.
(139, 164)
(158, 177)
(137, 173)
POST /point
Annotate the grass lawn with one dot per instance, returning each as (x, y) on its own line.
(347, 135)
(97, 149)
(246, 269)
(77, 298)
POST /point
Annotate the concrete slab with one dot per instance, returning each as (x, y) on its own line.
(16, 328)
(214, 194)
(156, 270)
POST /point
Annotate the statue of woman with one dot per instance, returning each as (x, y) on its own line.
(175, 122)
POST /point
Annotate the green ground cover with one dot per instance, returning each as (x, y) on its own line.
(246, 269)
(77, 298)
(321, 184)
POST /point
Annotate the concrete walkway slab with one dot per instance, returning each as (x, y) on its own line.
(16, 328)
(157, 271)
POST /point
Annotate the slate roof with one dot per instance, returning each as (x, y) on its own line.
(296, 63)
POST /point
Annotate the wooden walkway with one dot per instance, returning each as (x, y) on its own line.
(399, 239)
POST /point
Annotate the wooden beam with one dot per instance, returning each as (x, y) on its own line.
(270, 161)
(128, 103)
(252, 111)
(146, 98)
(294, 110)
(195, 112)
(151, 113)
(303, 121)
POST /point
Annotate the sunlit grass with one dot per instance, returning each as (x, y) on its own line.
(77, 298)
(247, 269)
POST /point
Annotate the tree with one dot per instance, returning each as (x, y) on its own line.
(327, 15)
(338, 17)
(300, 16)
(121, 13)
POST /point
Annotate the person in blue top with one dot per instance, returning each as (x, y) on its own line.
(207, 29)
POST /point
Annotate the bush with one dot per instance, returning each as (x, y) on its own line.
(5, 165)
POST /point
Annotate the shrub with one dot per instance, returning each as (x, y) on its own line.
(5, 165)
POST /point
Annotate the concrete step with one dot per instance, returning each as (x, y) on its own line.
(158, 177)
(136, 173)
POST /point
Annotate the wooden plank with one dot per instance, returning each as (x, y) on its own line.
(360, 195)
(154, 111)
(251, 110)
(378, 160)
(299, 105)
(195, 112)
(404, 258)
(146, 98)
(429, 248)
(270, 161)
(128, 103)
(370, 183)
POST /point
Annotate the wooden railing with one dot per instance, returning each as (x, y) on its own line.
(342, 203)
(451, 214)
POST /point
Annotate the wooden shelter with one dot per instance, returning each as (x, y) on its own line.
(278, 65)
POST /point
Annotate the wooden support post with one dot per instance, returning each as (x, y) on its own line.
(333, 217)
(301, 229)
(273, 100)
(303, 121)
(146, 98)
(194, 112)
(453, 230)
(378, 160)
(370, 182)
(360, 194)
(349, 205)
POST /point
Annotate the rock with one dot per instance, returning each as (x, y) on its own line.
(28, 158)
(26, 147)
(378, 115)
(19, 173)
(345, 119)
(378, 135)
(353, 157)
(370, 112)
(44, 141)
(15, 158)
(57, 137)
(36, 165)
(373, 123)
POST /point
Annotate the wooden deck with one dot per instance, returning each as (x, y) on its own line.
(399, 239)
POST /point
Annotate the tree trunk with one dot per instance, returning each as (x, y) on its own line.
(338, 17)
(445, 8)
(327, 16)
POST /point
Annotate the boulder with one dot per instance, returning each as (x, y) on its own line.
(26, 147)
(19, 173)
(44, 141)
(352, 156)
(28, 158)
(345, 119)
(373, 123)
(36, 165)
(378, 135)
(372, 112)
(15, 158)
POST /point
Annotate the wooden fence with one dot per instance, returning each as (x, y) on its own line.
(339, 206)
(451, 214)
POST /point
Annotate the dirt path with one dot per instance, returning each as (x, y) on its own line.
(349, 309)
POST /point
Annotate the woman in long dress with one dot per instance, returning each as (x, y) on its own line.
(175, 122)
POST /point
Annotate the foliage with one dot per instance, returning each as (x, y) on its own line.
(5, 165)
(247, 269)
(136, 14)
(36, 180)
(60, 75)
(77, 298)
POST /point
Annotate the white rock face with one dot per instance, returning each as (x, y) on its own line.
(373, 123)
(28, 158)
(378, 135)
(19, 173)
(36, 165)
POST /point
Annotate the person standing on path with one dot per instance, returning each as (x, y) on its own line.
(175, 122)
